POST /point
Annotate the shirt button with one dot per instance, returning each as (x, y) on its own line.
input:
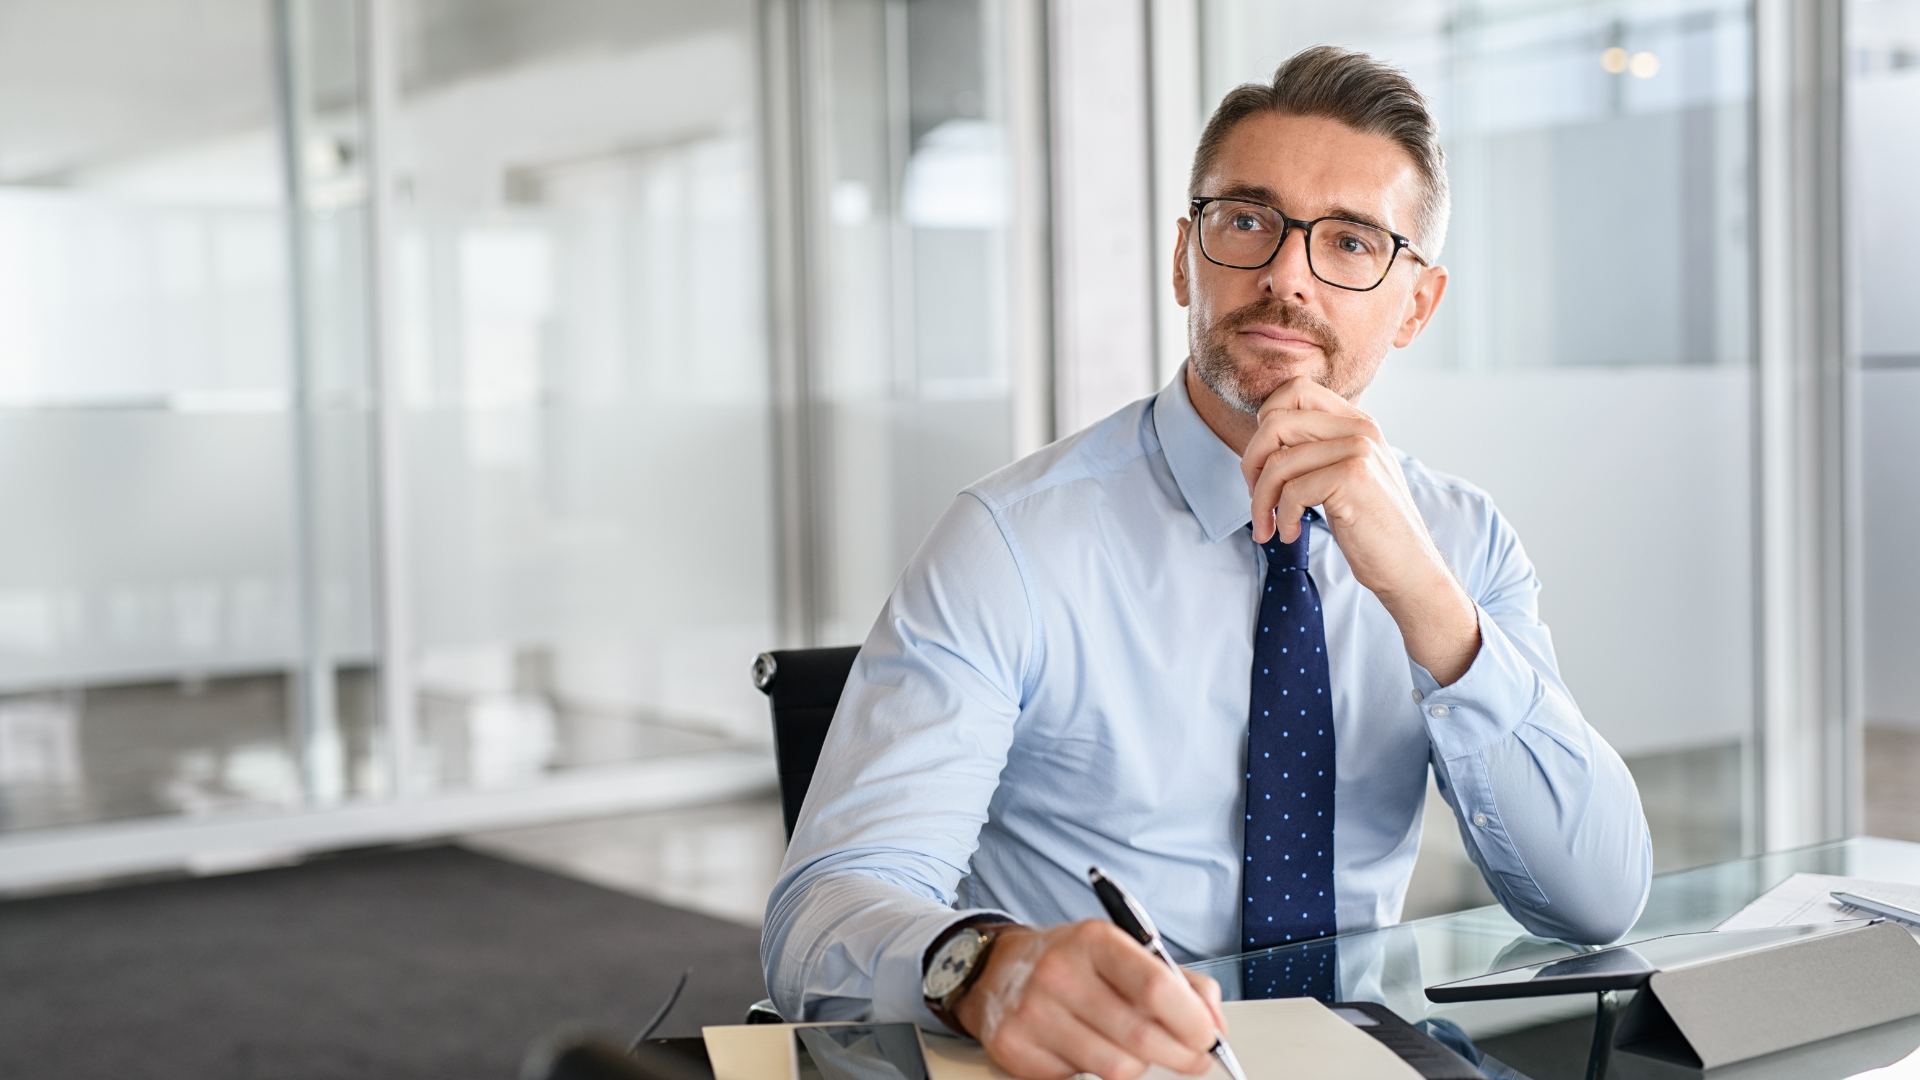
(1418, 697)
(1437, 712)
(1480, 820)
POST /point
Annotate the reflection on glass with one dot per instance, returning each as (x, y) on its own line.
(581, 357)
(1394, 965)
(1590, 364)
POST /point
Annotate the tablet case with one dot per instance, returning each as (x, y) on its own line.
(1757, 1003)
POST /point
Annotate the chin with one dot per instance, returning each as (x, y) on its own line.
(1260, 375)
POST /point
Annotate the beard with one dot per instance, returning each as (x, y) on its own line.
(1246, 390)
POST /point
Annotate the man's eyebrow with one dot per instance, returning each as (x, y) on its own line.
(1267, 196)
(1349, 214)
(1249, 192)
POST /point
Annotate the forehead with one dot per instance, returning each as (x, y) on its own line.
(1315, 167)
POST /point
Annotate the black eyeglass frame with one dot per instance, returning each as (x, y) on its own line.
(1287, 225)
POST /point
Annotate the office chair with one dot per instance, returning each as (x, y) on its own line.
(803, 686)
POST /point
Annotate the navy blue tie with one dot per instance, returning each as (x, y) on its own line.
(1290, 773)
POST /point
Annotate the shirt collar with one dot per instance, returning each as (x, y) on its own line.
(1205, 468)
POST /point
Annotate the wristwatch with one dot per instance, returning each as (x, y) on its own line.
(954, 963)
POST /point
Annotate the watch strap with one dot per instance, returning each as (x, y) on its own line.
(989, 927)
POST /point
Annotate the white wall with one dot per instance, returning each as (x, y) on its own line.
(1630, 489)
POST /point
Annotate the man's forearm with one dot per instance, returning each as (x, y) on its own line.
(848, 945)
(1547, 809)
(1438, 623)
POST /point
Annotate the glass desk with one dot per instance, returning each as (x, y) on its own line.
(1552, 1038)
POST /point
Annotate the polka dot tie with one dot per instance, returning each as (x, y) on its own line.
(1288, 873)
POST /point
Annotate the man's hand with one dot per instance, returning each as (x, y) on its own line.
(1085, 997)
(1314, 448)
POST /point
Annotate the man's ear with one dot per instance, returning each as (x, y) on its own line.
(1180, 283)
(1425, 300)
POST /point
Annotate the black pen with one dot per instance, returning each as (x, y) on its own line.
(1128, 915)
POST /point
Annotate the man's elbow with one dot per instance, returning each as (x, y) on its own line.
(1598, 908)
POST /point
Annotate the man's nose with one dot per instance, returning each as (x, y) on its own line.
(1288, 273)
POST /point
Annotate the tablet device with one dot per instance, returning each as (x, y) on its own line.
(859, 1052)
(1626, 967)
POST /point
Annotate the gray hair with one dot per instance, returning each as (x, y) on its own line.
(1360, 92)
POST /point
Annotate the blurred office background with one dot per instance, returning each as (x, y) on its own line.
(416, 414)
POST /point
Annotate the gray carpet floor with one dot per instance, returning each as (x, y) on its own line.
(434, 962)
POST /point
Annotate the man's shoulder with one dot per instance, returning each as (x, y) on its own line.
(1083, 460)
(1448, 501)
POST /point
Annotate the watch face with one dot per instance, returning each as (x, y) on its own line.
(951, 964)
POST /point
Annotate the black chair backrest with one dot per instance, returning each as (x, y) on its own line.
(804, 687)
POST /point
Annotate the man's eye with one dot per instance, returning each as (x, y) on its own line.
(1245, 222)
(1352, 245)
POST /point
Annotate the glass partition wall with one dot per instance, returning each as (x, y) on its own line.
(387, 408)
(582, 377)
(185, 605)
(1592, 364)
(1883, 127)
(912, 174)
(416, 413)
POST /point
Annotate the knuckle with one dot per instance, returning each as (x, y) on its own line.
(1050, 973)
(1089, 933)
(1135, 1030)
(1164, 996)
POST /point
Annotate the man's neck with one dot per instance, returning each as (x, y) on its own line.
(1234, 427)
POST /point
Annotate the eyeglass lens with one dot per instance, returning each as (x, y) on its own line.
(1344, 253)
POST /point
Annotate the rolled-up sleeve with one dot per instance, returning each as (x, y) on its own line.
(905, 777)
(1547, 809)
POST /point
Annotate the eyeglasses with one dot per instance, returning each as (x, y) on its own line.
(1346, 254)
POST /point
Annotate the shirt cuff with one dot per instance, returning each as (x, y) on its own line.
(897, 977)
(1483, 706)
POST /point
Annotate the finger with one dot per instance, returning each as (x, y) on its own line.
(1313, 489)
(1285, 466)
(1209, 989)
(1153, 988)
(1056, 1029)
(1294, 428)
(1018, 1053)
(1140, 1033)
(1301, 392)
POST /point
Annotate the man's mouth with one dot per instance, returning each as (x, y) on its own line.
(1281, 336)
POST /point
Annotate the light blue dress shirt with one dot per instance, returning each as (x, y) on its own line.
(1061, 678)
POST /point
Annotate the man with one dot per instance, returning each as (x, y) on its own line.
(1185, 643)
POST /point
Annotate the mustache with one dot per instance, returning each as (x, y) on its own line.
(1273, 311)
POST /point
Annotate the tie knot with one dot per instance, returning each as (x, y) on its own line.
(1290, 556)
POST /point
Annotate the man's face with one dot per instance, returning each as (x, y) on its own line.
(1252, 330)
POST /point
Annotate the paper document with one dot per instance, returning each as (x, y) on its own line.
(1283, 1039)
(1804, 900)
